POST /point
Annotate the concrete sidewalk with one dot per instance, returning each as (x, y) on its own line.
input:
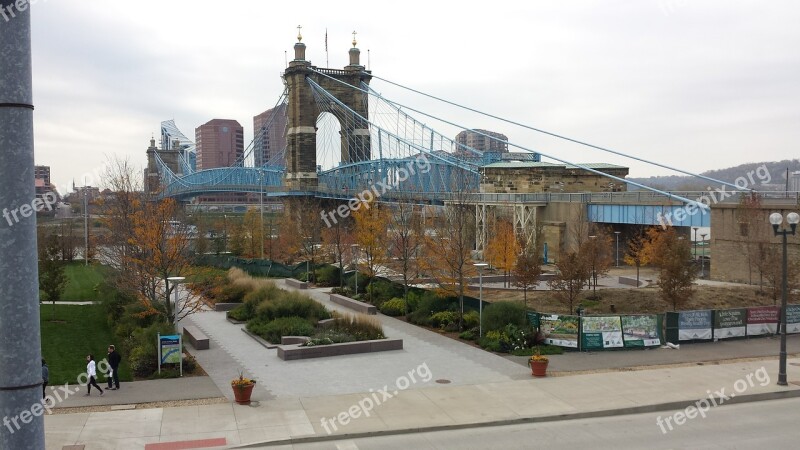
(295, 420)
(130, 393)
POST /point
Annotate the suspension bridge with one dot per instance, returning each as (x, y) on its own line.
(344, 138)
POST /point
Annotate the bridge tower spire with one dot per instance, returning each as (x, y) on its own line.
(303, 111)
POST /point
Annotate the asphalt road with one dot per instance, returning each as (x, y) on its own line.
(767, 424)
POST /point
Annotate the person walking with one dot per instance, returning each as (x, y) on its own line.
(45, 378)
(91, 371)
(113, 361)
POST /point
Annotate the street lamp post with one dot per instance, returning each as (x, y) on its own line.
(176, 281)
(355, 263)
(616, 254)
(702, 258)
(594, 278)
(480, 267)
(261, 192)
(776, 219)
(695, 243)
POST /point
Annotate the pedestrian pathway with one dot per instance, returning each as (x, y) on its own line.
(232, 351)
(658, 393)
(151, 391)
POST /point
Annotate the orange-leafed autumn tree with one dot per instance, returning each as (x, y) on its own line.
(503, 248)
(371, 225)
(147, 242)
(162, 245)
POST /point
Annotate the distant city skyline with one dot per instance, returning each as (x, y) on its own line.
(695, 85)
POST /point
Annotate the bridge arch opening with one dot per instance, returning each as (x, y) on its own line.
(329, 141)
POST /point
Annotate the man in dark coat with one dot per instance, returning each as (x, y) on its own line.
(113, 361)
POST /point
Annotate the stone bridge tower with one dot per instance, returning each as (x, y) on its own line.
(303, 111)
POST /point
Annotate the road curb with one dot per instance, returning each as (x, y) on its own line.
(669, 406)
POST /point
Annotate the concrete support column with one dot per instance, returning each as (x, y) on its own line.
(525, 223)
(21, 420)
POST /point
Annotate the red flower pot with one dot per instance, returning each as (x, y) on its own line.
(242, 393)
(539, 368)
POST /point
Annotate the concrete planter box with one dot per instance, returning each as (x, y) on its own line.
(629, 281)
(289, 340)
(347, 302)
(297, 284)
(291, 352)
(226, 306)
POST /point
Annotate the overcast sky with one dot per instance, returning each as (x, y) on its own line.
(695, 84)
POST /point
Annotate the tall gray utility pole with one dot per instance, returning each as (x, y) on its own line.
(20, 358)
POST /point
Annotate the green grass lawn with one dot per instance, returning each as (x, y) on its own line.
(80, 330)
(82, 281)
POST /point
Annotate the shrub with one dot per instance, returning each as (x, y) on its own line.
(428, 305)
(291, 304)
(283, 326)
(468, 335)
(543, 350)
(394, 307)
(327, 276)
(381, 290)
(143, 357)
(341, 291)
(443, 319)
(232, 293)
(497, 315)
(360, 326)
(328, 337)
(490, 344)
(471, 319)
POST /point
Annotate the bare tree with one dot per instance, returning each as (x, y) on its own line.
(528, 268)
(570, 278)
(407, 236)
(448, 258)
(671, 254)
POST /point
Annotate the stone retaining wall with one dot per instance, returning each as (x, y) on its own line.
(292, 352)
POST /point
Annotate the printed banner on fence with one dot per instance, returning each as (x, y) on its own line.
(640, 331)
(170, 349)
(792, 318)
(601, 332)
(694, 325)
(730, 323)
(763, 320)
(560, 330)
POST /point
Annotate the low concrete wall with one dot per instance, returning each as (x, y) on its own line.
(629, 281)
(297, 284)
(326, 323)
(226, 306)
(347, 302)
(197, 338)
(289, 340)
(292, 352)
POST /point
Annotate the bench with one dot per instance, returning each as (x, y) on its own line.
(197, 338)
(297, 284)
(347, 302)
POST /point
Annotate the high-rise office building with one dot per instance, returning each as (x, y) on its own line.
(480, 140)
(41, 176)
(269, 134)
(220, 143)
